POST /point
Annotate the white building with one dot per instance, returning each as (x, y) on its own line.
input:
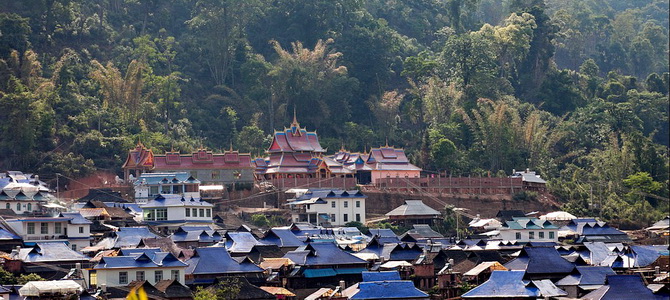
(528, 230)
(150, 185)
(334, 207)
(71, 228)
(140, 264)
(175, 209)
(22, 193)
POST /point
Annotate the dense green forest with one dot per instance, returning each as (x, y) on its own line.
(577, 90)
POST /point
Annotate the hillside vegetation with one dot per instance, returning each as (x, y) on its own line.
(576, 90)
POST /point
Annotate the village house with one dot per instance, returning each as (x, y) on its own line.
(528, 230)
(209, 263)
(151, 185)
(136, 265)
(328, 207)
(71, 228)
(48, 259)
(413, 212)
(175, 210)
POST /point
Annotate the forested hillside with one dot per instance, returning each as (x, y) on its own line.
(574, 89)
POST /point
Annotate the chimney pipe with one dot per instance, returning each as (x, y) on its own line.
(342, 285)
(103, 287)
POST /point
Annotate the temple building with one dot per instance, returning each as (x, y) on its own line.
(208, 167)
(294, 153)
(390, 162)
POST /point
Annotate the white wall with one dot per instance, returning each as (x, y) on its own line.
(111, 276)
(510, 234)
(24, 205)
(339, 210)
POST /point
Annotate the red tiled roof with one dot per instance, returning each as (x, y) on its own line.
(226, 160)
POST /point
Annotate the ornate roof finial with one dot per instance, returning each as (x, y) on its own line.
(231, 146)
(295, 118)
(387, 142)
(342, 147)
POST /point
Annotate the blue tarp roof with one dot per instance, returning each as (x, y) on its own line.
(396, 289)
(217, 260)
(381, 276)
(503, 284)
(315, 273)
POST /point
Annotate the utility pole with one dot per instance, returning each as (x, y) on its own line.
(57, 187)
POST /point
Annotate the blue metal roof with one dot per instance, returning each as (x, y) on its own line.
(587, 275)
(240, 241)
(622, 287)
(171, 200)
(381, 276)
(315, 254)
(217, 260)
(6, 235)
(540, 260)
(395, 289)
(129, 237)
(282, 237)
(165, 178)
(645, 255)
(76, 218)
(50, 252)
(330, 193)
(503, 284)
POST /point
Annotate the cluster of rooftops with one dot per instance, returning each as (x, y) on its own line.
(305, 261)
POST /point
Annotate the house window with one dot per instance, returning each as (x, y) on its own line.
(58, 228)
(44, 228)
(188, 212)
(123, 277)
(93, 277)
(358, 203)
(18, 206)
(74, 247)
(139, 275)
(346, 204)
(81, 229)
(518, 235)
(153, 190)
(332, 217)
(541, 234)
(345, 218)
(8, 206)
(195, 212)
(166, 189)
(209, 213)
(30, 207)
(31, 228)
(161, 214)
(202, 213)
(531, 235)
(358, 217)
(175, 275)
(332, 204)
(216, 174)
(158, 276)
(551, 235)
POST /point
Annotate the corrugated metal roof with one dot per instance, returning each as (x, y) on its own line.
(395, 289)
(413, 208)
(381, 276)
(503, 284)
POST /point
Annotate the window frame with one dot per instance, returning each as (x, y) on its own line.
(123, 277)
(158, 275)
(518, 235)
(58, 228)
(44, 228)
(138, 277)
(30, 228)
